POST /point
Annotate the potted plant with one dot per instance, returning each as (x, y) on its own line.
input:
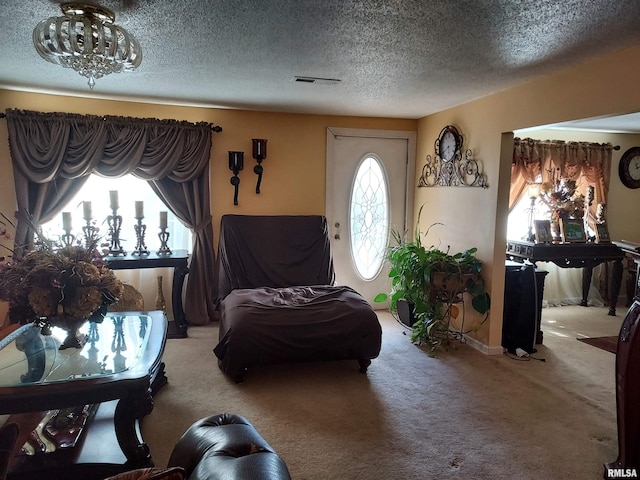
(427, 283)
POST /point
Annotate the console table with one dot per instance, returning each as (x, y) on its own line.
(178, 260)
(118, 369)
(574, 255)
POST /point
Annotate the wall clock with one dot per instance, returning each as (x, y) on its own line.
(629, 168)
(448, 143)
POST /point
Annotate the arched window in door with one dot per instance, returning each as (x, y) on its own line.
(369, 218)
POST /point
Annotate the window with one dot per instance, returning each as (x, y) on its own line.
(369, 218)
(130, 189)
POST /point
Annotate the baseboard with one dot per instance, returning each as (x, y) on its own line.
(481, 347)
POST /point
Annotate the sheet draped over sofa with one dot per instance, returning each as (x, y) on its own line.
(273, 251)
(277, 297)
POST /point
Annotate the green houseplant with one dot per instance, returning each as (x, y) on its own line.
(429, 282)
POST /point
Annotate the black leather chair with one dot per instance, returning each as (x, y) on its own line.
(226, 446)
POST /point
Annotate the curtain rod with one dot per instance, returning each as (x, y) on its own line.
(214, 128)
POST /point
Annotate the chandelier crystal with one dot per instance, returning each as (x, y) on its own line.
(87, 40)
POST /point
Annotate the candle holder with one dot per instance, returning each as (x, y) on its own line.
(164, 238)
(141, 248)
(114, 221)
(236, 163)
(67, 238)
(90, 234)
(259, 153)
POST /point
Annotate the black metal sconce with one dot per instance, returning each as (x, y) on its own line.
(259, 153)
(236, 163)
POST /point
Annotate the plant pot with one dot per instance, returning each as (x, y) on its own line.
(405, 312)
(451, 282)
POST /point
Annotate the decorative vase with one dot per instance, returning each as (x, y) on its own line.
(405, 312)
(160, 303)
(71, 325)
(99, 314)
(74, 338)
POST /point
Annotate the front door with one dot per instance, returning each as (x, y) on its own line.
(370, 186)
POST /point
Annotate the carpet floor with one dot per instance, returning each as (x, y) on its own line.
(460, 415)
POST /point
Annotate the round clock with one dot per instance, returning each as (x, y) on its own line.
(629, 168)
(448, 143)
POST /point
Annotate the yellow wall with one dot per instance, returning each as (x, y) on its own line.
(476, 217)
(294, 179)
(294, 170)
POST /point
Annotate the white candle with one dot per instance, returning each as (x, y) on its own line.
(139, 210)
(66, 221)
(113, 196)
(86, 206)
(163, 219)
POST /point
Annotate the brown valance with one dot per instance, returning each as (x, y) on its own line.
(537, 161)
(45, 146)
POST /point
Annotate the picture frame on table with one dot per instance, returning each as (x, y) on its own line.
(572, 230)
(543, 231)
(602, 233)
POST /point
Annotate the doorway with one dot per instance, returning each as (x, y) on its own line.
(370, 189)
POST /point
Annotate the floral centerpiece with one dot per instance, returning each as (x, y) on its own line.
(562, 198)
(58, 286)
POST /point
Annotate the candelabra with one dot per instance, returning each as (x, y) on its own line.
(67, 238)
(90, 234)
(164, 239)
(141, 247)
(534, 191)
(114, 221)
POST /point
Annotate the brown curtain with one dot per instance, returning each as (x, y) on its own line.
(537, 161)
(53, 154)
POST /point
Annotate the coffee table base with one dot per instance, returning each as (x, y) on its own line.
(96, 456)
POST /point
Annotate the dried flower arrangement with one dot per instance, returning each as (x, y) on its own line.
(562, 198)
(60, 285)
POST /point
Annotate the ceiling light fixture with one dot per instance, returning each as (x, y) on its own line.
(87, 40)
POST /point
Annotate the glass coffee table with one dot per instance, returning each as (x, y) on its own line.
(91, 400)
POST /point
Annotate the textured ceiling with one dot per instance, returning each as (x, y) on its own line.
(402, 58)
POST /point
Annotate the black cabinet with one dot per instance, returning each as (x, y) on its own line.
(523, 292)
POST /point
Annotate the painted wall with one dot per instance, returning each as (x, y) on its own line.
(294, 181)
(476, 217)
(294, 170)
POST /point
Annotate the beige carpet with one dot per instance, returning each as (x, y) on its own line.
(462, 415)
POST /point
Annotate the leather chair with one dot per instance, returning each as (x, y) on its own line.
(226, 446)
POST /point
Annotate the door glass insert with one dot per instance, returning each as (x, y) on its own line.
(369, 218)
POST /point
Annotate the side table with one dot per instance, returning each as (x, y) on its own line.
(178, 260)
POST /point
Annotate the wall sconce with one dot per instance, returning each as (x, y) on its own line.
(259, 153)
(236, 163)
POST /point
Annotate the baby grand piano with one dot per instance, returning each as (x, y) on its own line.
(574, 255)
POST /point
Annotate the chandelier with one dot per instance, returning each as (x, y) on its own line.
(87, 40)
